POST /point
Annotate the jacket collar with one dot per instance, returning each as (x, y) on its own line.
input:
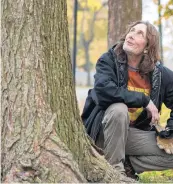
(155, 84)
(121, 59)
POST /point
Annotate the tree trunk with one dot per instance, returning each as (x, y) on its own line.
(43, 139)
(120, 14)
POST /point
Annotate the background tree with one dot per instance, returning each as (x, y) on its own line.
(120, 14)
(43, 139)
(87, 37)
(92, 31)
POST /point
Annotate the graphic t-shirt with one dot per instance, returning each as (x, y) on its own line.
(140, 84)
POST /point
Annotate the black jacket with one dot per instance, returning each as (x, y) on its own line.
(111, 87)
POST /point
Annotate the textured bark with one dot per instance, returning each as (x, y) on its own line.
(121, 13)
(43, 139)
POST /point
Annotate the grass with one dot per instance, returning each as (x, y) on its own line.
(159, 176)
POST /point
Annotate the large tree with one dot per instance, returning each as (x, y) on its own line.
(120, 14)
(43, 139)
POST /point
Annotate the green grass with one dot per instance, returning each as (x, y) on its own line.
(157, 177)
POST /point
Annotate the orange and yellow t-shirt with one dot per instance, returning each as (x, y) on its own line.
(140, 84)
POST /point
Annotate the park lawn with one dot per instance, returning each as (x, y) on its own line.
(159, 176)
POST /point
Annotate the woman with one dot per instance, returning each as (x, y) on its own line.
(130, 87)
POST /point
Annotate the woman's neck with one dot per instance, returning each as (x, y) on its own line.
(134, 61)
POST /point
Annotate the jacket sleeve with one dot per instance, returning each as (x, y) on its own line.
(169, 103)
(108, 90)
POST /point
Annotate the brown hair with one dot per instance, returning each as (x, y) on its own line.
(153, 47)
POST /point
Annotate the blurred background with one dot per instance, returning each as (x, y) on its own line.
(96, 25)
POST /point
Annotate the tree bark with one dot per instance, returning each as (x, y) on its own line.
(43, 139)
(120, 14)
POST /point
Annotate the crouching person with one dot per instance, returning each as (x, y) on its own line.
(121, 113)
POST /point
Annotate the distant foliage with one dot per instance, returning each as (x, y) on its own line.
(86, 12)
(168, 9)
(165, 9)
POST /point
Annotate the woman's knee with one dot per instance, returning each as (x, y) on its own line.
(117, 109)
(116, 114)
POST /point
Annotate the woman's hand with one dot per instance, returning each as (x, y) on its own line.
(153, 112)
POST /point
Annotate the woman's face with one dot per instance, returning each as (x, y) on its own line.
(136, 41)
